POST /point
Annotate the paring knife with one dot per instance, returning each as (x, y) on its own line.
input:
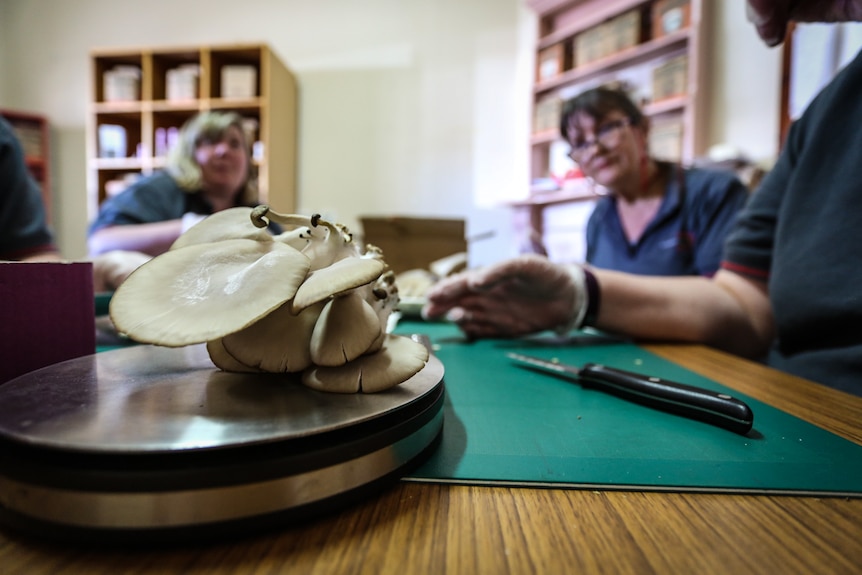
(696, 403)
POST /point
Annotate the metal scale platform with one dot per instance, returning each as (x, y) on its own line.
(149, 444)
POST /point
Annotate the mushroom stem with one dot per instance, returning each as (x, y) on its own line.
(260, 213)
(322, 251)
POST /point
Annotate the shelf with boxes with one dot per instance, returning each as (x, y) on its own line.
(652, 48)
(648, 46)
(142, 97)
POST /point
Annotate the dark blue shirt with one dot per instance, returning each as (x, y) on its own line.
(153, 198)
(23, 227)
(802, 233)
(684, 238)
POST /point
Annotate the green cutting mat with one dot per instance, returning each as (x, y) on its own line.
(507, 425)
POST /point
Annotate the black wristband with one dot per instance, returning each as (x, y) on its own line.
(594, 297)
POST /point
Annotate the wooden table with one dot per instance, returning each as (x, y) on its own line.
(430, 528)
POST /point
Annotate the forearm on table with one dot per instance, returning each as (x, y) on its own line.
(46, 256)
(151, 238)
(727, 311)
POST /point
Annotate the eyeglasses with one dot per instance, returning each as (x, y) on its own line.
(607, 136)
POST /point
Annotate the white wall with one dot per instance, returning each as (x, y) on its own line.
(744, 84)
(3, 47)
(819, 51)
(406, 106)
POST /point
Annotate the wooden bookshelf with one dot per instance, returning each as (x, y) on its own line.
(149, 111)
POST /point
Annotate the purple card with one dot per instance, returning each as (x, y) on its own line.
(46, 315)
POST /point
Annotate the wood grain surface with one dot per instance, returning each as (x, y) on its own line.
(835, 411)
(432, 528)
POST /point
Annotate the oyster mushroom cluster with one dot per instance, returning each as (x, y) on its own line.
(304, 301)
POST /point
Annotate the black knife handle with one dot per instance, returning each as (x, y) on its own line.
(693, 402)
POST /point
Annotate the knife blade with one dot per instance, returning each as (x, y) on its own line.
(696, 403)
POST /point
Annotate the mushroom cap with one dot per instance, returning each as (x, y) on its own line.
(206, 291)
(229, 224)
(334, 279)
(347, 327)
(278, 342)
(398, 360)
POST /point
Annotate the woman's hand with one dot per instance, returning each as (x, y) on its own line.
(512, 298)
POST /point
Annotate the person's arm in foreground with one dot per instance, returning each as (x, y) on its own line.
(728, 311)
(529, 294)
(112, 268)
(150, 238)
(47, 256)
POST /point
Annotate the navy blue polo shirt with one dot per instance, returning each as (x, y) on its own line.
(154, 198)
(687, 235)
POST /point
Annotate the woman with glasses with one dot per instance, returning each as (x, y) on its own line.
(655, 218)
(788, 289)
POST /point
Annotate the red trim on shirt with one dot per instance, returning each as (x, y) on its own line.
(745, 270)
(22, 253)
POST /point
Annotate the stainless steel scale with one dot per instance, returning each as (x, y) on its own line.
(148, 444)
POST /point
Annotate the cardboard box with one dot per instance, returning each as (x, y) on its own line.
(182, 83)
(546, 115)
(238, 81)
(615, 35)
(670, 16)
(550, 62)
(112, 141)
(589, 45)
(623, 32)
(122, 84)
(413, 243)
(670, 78)
(47, 314)
(665, 138)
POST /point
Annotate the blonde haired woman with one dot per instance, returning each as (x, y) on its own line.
(209, 169)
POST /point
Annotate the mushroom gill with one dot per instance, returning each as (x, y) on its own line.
(224, 360)
(346, 328)
(276, 343)
(398, 360)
